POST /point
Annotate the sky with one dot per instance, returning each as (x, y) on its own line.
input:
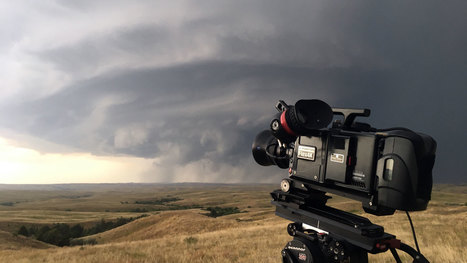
(176, 91)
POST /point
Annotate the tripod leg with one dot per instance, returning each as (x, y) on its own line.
(396, 256)
(358, 256)
(286, 257)
(419, 258)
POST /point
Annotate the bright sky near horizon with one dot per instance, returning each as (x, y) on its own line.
(23, 165)
(158, 91)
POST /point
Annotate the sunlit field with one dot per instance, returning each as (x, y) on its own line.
(180, 230)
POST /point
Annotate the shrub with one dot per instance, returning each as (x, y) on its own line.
(160, 201)
(58, 235)
(63, 235)
(222, 211)
(23, 231)
(191, 240)
(76, 231)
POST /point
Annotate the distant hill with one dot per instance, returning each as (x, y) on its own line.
(189, 236)
(451, 188)
(164, 224)
(114, 186)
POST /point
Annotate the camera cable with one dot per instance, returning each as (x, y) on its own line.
(413, 232)
(392, 129)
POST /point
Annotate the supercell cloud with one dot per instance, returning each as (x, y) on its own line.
(188, 84)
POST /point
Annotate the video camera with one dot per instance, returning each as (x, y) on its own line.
(385, 169)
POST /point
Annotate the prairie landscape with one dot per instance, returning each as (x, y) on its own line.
(195, 223)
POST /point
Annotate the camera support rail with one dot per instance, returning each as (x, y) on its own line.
(325, 234)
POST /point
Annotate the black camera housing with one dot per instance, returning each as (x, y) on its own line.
(386, 170)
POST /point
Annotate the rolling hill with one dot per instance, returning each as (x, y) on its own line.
(188, 235)
(10, 241)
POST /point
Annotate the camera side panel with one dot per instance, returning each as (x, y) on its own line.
(363, 172)
(338, 166)
(355, 169)
(310, 158)
(346, 160)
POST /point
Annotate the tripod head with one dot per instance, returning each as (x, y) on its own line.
(325, 234)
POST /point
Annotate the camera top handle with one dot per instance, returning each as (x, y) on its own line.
(350, 115)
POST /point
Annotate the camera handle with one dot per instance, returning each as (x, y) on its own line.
(350, 115)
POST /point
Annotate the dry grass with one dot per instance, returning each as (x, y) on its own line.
(254, 236)
(188, 222)
(441, 232)
(247, 244)
(15, 242)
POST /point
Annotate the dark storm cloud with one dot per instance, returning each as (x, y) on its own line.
(405, 62)
(89, 53)
(210, 99)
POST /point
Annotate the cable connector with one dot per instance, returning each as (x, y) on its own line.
(389, 243)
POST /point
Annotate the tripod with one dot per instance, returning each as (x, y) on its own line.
(325, 234)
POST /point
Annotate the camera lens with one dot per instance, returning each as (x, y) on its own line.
(266, 150)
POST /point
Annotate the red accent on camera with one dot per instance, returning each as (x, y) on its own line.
(285, 125)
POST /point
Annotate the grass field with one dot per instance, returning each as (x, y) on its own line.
(180, 231)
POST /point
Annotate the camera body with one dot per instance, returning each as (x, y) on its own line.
(386, 170)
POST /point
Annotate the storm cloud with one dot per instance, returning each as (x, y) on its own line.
(190, 84)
